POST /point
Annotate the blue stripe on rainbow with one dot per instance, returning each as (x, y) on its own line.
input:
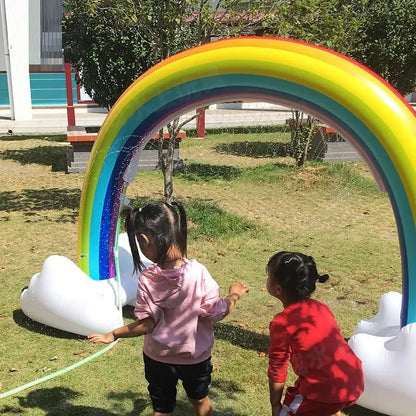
(384, 130)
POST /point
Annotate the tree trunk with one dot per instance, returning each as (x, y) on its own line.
(168, 172)
(301, 135)
(166, 154)
(311, 129)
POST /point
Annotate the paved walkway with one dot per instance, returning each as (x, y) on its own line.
(54, 121)
(50, 121)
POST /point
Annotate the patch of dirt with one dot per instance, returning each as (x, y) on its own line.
(309, 175)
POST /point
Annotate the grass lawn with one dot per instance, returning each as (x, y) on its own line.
(246, 201)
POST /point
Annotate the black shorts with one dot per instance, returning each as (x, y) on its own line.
(163, 378)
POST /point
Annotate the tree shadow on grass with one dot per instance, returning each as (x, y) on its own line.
(218, 389)
(29, 201)
(254, 149)
(60, 138)
(56, 401)
(53, 156)
(241, 337)
(198, 171)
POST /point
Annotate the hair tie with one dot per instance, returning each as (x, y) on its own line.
(291, 260)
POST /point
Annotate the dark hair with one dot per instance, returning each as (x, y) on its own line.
(296, 273)
(164, 222)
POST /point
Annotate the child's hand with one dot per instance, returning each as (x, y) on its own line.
(238, 288)
(105, 339)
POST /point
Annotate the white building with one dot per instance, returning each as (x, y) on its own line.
(31, 59)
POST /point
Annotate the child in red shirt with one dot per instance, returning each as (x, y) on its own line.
(330, 375)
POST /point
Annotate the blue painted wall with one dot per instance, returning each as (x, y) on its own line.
(4, 95)
(47, 89)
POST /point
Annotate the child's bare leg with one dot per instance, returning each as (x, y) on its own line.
(162, 414)
(202, 407)
(337, 414)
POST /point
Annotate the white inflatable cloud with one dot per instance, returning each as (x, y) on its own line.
(388, 356)
(64, 297)
(387, 320)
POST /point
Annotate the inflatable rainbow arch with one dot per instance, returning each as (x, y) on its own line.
(340, 92)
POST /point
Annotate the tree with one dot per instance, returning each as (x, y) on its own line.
(112, 42)
(333, 24)
(381, 34)
(108, 53)
(387, 42)
(175, 25)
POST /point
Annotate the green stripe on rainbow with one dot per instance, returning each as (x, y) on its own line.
(335, 89)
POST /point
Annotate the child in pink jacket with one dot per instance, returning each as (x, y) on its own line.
(178, 303)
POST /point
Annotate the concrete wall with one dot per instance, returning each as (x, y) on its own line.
(15, 32)
(34, 32)
(34, 36)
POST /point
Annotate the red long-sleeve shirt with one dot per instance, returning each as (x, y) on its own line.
(307, 335)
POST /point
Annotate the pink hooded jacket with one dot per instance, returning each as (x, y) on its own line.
(184, 303)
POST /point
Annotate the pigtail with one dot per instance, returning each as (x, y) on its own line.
(183, 226)
(305, 280)
(322, 278)
(130, 221)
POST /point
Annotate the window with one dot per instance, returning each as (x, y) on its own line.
(51, 32)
